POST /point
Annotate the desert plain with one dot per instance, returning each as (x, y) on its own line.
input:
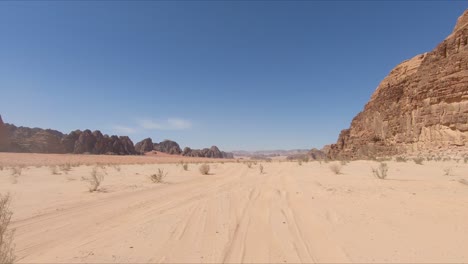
(292, 212)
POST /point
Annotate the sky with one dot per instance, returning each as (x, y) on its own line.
(242, 75)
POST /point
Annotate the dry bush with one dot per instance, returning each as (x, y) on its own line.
(95, 180)
(418, 160)
(381, 171)
(117, 167)
(299, 162)
(65, 167)
(448, 171)
(465, 159)
(261, 168)
(255, 163)
(249, 164)
(400, 159)
(185, 166)
(336, 168)
(54, 170)
(204, 169)
(159, 177)
(7, 255)
(1, 167)
(16, 171)
(343, 162)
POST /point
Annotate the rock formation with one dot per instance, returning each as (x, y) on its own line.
(145, 145)
(168, 146)
(37, 140)
(212, 152)
(422, 105)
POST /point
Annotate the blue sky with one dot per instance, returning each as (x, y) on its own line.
(249, 75)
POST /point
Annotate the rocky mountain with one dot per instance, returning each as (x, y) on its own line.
(212, 152)
(168, 146)
(37, 140)
(145, 145)
(422, 105)
(269, 153)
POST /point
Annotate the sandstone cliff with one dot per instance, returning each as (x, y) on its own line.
(422, 105)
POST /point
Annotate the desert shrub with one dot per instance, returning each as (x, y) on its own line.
(54, 170)
(249, 164)
(465, 159)
(400, 159)
(418, 160)
(6, 234)
(343, 162)
(159, 176)
(16, 171)
(254, 162)
(381, 171)
(336, 168)
(299, 162)
(1, 167)
(95, 180)
(204, 169)
(65, 167)
(261, 168)
(117, 167)
(448, 171)
(185, 166)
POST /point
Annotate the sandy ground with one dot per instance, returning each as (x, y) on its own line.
(288, 214)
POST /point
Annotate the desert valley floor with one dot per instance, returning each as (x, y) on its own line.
(291, 213)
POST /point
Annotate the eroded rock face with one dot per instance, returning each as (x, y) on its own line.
(145, 145)
(212, 152)
(421, 105)
(37, 140)
(168, 146)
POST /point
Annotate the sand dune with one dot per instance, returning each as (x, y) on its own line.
(289, 214)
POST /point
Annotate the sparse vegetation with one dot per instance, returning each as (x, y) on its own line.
(159, 176)
(400, 159)
(1, 167)
(260, 168)
(418, 160)
(7, 255)
(16, 171)
(381, 171)
(465, 159)
(343, 162)
(54, 170)
(336, 168)
(117, 168)
(447, 171)
(299, 162)
(463, 181)
(95, 180)
(185, 166)
(65, 167)
(204, 169)
(249, 164)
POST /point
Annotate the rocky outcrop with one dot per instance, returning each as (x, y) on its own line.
(212, 152)
(37, 140)
(168, 146)
(4, 139)
(316, 154)
(145, 145)
(422, 105)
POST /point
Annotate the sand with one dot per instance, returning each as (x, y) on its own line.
(289, 214)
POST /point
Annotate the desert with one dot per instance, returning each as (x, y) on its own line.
(292, 212)
(212, 132)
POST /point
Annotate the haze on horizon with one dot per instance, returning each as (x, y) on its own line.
(240, 75)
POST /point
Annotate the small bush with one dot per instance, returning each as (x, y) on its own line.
(343, 162)
(465, 159)
(418, 160)
(1, 167)
(400, 159)
(249, 164)
(16, 171)
(185, 166)
(158, 177)
(204, 169)
(381, 171)
(117, 168)
(336, 168)
(299, 162)
(95, 180)
(447, 171)
(65, 167)
(54, 170)
(7, 255)
(261, 168)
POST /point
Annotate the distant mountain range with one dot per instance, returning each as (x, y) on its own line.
(269, 153)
